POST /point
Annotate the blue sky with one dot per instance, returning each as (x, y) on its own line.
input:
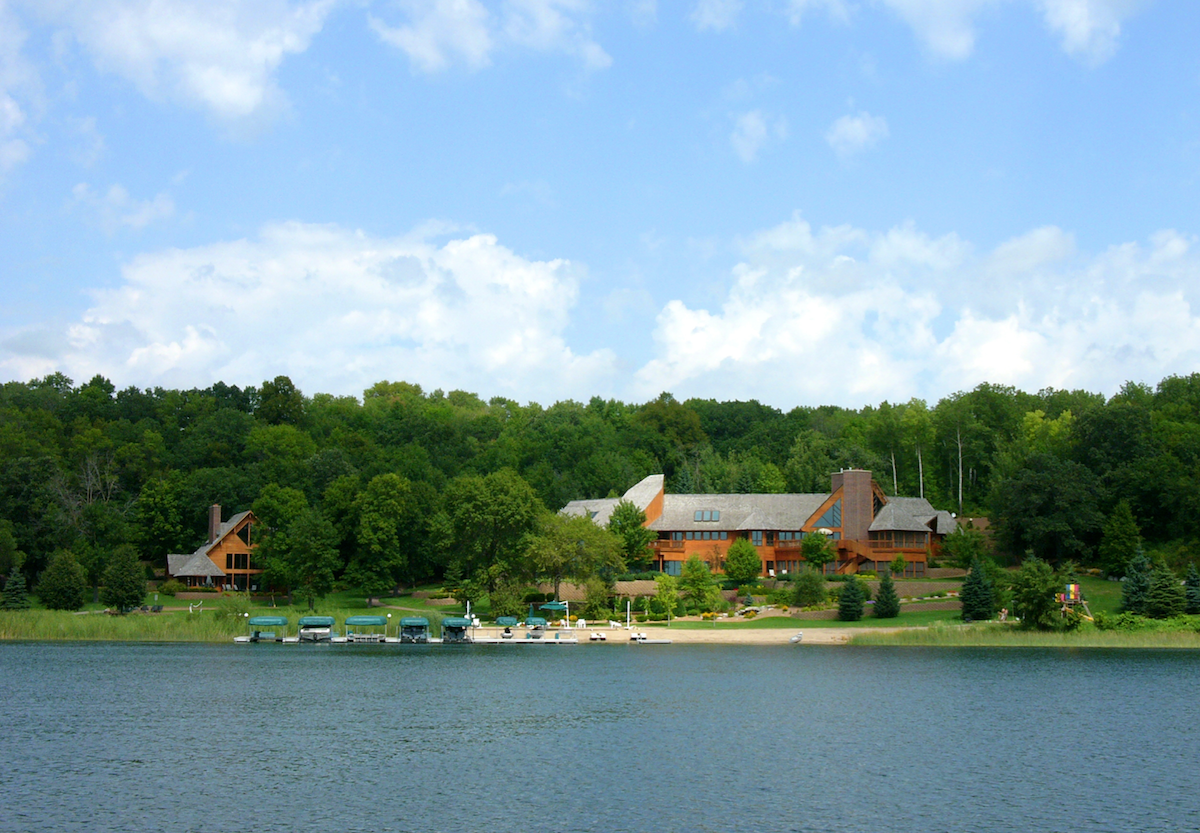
(798, 201)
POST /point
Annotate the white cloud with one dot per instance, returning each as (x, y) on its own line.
(338, 311)
(752, 130)
(847, 316)
(1089, 28)
(218, 55)
(17, 79)
(441, 30)
(643, 13)
(837, 9)
(116, 208)
(852, 134)
(716, 15)
(440, 33)
(946, 27)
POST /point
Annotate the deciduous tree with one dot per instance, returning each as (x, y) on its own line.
(628, 523)
(809, 588)
(742, 563)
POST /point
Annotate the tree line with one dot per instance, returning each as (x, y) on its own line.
(404, 485)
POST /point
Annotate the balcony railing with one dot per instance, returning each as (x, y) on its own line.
(667, 545)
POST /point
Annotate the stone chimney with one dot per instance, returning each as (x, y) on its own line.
(214, 522)
(858, 502)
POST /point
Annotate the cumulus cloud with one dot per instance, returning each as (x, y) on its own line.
(218, 55)
(754, 129)
(852, 134)
(849, 316)
(716, 15)
(115, 208)
(337, 310)
(440, 33)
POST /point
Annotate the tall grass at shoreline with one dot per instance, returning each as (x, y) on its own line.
(1005, 636)
(134, 627)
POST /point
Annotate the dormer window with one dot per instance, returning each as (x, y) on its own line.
(707, 515)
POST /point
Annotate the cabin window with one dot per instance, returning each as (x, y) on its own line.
(756, 537)
(703, 515)
(672, 568)
(833, 515)
(228, 561)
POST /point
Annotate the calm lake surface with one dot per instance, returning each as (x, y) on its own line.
(102, 737)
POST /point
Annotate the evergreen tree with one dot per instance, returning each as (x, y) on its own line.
(850, 600)
(63, 582)
(977, 596)
(808, 588)
(1165, 597)
(15, 597)
(1136, 584)
(1121, 540)
(124, 579)
(887, 601)
(1192, 590)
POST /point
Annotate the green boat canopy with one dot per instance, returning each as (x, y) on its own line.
(316, 621)
(535, 621)
(366, 621)
(267, 621)
(456, 622)
(506, 621)
(414, 622)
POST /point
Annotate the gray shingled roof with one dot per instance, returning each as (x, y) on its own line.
(196, 564)
(906, 514)
(600, 510)
(738, 512)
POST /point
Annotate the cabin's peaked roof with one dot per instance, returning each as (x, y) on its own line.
(738, 512)
(226, 528)
(641, 494)
(196, 564)
(911, 514)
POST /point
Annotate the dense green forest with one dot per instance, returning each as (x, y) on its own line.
(406, 485)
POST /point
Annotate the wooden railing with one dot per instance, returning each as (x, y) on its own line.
(667, 545)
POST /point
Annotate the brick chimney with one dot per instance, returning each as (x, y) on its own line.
(214, 522)
(858, 502)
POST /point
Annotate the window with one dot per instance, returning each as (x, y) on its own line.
(228, 561)
(703, 515)
(672, 568)
(241, 561)
(676, 536)
(724, 536)
(691, 536)
(756, 537)
(833, 515)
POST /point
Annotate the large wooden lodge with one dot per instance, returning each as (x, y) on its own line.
(868, 529)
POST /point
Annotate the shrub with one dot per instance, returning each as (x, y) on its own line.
(809, 588)
(171, 587)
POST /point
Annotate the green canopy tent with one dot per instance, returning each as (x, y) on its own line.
(454, 629)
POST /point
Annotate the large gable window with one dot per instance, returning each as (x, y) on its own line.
(833, 516)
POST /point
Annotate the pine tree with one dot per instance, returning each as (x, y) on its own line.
(1192, 590)
(976, 595)
(1165, 597)
(1137, 582)
(15, 597)
(850, 600)
(887, 601)
(1121, 540)
(63, 582)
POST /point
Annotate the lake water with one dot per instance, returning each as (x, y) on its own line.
(102, 737)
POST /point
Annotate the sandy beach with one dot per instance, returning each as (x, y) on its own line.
(706, 636)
